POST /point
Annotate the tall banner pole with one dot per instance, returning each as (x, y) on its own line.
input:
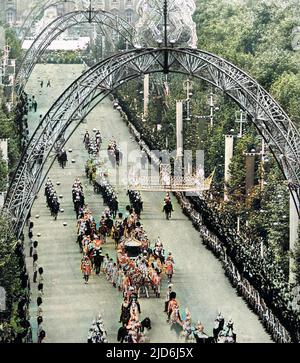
(179, 129)
(250, 171)
(4, 154)
(228, 157)
(294, 225)
(146, 94)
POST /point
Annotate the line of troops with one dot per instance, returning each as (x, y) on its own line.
(52, 199)
(136, 201)
(92, 144)
(77, 196)
(109, 196)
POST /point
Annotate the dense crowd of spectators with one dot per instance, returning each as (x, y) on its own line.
(263, 274)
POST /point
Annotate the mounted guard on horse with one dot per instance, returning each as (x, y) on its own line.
(168, 207)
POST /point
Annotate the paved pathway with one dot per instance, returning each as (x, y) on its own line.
(70, 305)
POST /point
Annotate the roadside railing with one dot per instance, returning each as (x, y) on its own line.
(252, 297)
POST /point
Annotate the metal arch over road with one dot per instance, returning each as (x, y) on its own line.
(36, 13)
(94, 85)
(104, 19)
(32, 15)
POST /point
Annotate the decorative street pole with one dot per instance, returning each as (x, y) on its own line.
(146, 94)
(241, 118)
(212, 110)
(4, 152)
(250, 167)
(212, 107)
(90, 11)
(179, 129)
(250, 170)
(228, 157)
(166, 22)
(262, 165)
(188, 86)
(166, 53)
(294, 229)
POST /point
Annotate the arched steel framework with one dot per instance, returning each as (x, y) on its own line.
(32, 14)
(108, 23)
(36, 13)
(94, 85)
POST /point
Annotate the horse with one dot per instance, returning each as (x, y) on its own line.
(117, 234)
(204, 340)
(175, 316)
(226, 336)
(124, 336)
(146, 323)
(219, 325)
(140, 281)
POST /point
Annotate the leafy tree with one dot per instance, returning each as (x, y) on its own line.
(3, 173)
(14, 325)
(14, 44)
(14, 321)
(286, 91)
(9, 131)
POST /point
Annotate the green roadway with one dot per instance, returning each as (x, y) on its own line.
(69, 305)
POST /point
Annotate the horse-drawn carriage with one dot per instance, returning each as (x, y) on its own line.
(133, 247)
(133, 256)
